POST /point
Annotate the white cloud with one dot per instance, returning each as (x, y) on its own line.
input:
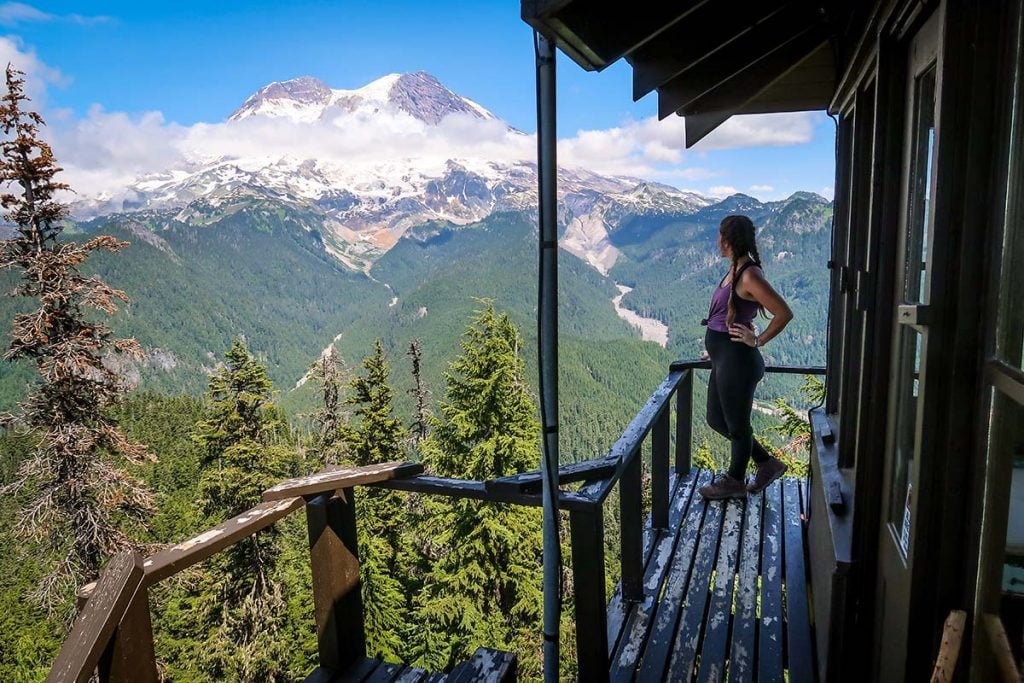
(761, 130)
(104, 152)
(38, 75)
(761, 188)
(828, 192)
(722, 190)
(14, 13)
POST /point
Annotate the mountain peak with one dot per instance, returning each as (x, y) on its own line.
(286, 98)
(423, 96)
(307, 99)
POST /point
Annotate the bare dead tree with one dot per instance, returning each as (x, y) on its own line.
(77, 494)
(418, 430)
(330, 373)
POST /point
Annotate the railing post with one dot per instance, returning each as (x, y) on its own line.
(684, 425)
(586, 529)
(659, 470)
(334, 560)
(130, 656)
(632, 529)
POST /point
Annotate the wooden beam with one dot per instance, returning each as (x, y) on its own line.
(477, 490)
(131, 658)
(196, 549)
(767, 37)
(1006, 663)
(631, 530)
(595, 37)
(334, 564)
(586, 531)
(708, 111)
(333, 479)
(530, 482)
(94, 627)
(686, 43)
(628, 445)
(949, 651)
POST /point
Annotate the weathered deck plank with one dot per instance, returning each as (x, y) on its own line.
(691, 624)
(769, 652)
(729, 601)
(655, 656)
(619, 609)
(744, 628)
(638, 625)
(716, 631)
(800, 651)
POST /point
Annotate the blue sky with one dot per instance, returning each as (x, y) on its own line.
(197, 61)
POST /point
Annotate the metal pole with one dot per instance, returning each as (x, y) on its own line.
(547, 340)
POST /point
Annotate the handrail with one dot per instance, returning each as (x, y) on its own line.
(622, 467)
(94, 627)
(331, 522)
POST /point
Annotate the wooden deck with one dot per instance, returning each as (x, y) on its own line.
(486, 666)
(725, 592)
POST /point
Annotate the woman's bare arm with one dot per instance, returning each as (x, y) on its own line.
(754, 286)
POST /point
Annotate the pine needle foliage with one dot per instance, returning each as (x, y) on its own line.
(239, 601)
(79, 495)
(484, 586)
(376, 437)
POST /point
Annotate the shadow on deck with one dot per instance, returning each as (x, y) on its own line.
(724, 592)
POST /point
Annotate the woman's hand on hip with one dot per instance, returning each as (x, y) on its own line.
(743, 333)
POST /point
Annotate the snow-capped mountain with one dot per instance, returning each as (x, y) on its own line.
(362, 205)
(307, 99)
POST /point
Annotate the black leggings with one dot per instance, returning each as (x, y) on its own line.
(735, 371)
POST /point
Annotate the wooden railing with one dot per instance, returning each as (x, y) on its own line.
(113, 633)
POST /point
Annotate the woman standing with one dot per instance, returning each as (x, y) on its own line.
(736, 363)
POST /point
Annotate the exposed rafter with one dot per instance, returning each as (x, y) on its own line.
(687, 43)
(707, 59)
(731, 95)
(596, 34)
(766, 38)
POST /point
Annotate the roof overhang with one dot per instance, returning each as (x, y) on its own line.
(708, 59)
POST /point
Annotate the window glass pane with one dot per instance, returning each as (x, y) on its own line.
(1010, 320)
(1001, 565)
(915, 282)
(909, 388)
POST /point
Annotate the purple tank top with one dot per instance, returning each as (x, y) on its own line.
(718, 314)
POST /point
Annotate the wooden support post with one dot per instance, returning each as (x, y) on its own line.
(130, 657)
(334, 560)
(586, 529)
(684, 425)
(659, 471)
(632, 531)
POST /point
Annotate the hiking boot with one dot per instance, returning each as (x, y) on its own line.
(767, 472)
(723, 486)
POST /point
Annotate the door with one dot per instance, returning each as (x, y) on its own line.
(915, 302)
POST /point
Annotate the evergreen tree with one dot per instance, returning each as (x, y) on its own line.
(484, 585)
(78, 493)
(239, 602)
(330, 440)
(377, 437)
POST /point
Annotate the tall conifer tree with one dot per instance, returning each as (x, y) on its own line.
(484, 585)
(376, 436)
(240, 600)
(79, 493)
(330, 442)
